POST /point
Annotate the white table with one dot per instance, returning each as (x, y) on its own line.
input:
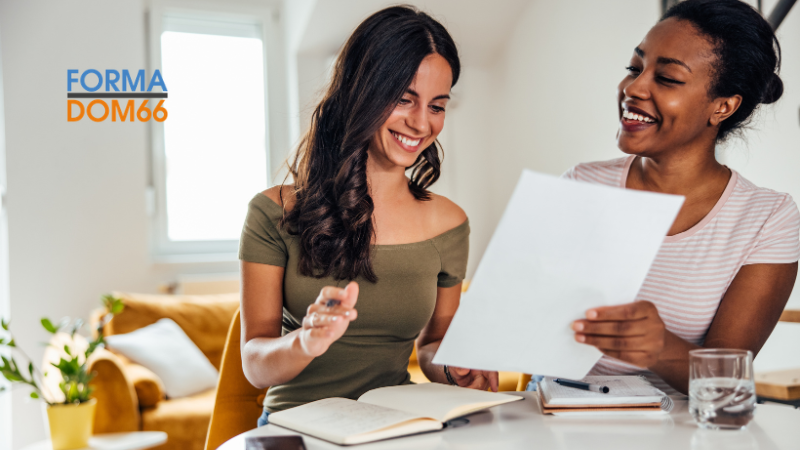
(521, 425)
(137, 440)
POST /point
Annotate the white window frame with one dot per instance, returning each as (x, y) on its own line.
(220, 21)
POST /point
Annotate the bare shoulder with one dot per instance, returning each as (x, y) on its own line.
(283, 195)
(446, 214)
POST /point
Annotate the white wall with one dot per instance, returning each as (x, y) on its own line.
(78, 227)
(546, 102)
(5, 399)
(769, 153)
(469, 154)
(558, 78)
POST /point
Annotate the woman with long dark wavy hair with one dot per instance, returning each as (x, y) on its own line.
(355, 228)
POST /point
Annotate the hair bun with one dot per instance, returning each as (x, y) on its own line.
(774, 89)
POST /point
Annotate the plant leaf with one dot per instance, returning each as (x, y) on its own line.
(11, 343)
(48, 325)
(11, 376)
(30, 369)
(4, 324)
(34, 395)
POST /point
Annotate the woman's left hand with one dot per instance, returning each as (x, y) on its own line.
(475, 379)
(633, 332)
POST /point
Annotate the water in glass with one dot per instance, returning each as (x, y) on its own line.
(722, 402)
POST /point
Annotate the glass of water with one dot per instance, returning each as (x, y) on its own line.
(722, 392)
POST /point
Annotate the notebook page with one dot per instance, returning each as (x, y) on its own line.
(622, 390)
(435, 400)
(334, 419)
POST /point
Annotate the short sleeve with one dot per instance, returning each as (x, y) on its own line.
(779, 240)
(453, 247)
(571, 173)
(261, 241)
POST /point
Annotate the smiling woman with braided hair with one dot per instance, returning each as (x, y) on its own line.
(354, 228)
(729, 262)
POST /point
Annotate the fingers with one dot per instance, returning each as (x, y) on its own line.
(351, 291)
(476, 379)
(612, 328)
(317, 320)
(346, 296)
(331, 293)
(628, 311)
(459, 371)
(494, 381)
(479, 382)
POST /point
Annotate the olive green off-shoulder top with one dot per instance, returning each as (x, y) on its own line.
(374, 350)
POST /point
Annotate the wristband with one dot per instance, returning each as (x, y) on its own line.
(450, 378)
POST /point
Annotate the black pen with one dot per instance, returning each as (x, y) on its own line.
(582, 385)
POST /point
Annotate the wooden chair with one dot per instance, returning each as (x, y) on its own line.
(790, 315)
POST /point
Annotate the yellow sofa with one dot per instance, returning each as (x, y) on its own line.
(131, 397)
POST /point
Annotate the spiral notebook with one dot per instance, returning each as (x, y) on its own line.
(627, 394)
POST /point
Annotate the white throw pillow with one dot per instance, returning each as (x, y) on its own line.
(165, 349)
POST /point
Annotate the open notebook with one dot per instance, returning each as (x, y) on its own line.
(627, 394)
(386, 412)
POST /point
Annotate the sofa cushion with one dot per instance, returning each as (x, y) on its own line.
(165, 349)
(204, 318)
(185, 420)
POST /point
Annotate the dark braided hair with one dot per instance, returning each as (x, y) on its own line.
(747, 51)
(333, 212)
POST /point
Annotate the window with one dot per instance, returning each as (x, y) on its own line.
(214, 154)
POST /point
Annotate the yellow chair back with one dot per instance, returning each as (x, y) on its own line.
(238, 404)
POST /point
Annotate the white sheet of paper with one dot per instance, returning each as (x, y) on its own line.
(561, 248)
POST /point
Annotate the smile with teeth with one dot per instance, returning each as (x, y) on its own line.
(633, 116)
(405, 140)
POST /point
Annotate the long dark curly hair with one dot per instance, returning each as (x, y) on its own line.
(332, 215)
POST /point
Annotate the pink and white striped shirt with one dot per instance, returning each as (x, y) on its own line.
(693, 269)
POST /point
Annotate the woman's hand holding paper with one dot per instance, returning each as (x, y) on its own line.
(633, 332)
(324, 324)
(475, 379)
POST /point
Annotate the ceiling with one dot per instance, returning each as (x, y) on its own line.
(479, 27)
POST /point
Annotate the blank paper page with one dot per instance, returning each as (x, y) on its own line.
(561, 247)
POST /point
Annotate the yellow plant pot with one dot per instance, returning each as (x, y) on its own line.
(71, 425)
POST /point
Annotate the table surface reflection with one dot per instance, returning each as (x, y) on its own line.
(521, 425)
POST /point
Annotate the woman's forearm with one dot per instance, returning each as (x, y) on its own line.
(272, 361)
(673, 362)
(434, 372)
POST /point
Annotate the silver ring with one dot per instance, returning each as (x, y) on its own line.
(311, 320)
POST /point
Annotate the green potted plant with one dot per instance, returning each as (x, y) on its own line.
(70, 410)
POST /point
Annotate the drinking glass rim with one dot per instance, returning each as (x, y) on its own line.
(720, 353)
